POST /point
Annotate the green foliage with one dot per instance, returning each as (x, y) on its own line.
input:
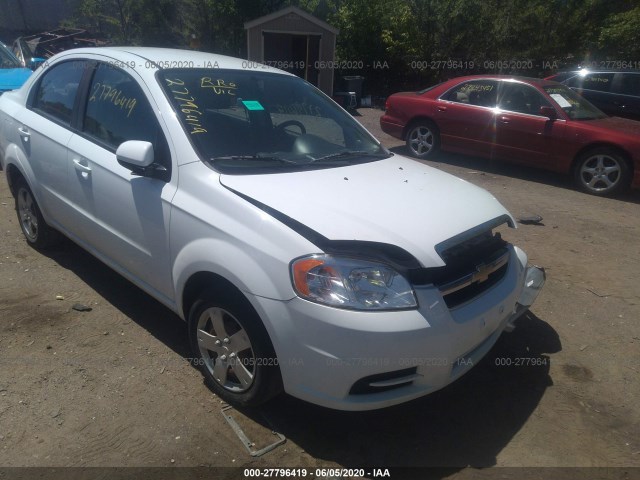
(620, 35)
(375, 30)
(112, 18)
(157, 22)
(396, 33)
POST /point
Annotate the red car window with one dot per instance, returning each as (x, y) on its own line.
(483, 93)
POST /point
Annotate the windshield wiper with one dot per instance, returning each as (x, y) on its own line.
(258, 157)
(347, 154)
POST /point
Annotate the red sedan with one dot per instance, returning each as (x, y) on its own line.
(523, 120)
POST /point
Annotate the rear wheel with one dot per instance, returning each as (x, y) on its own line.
(38, 234)
(602, 171)
(233, 351)
(423, 139)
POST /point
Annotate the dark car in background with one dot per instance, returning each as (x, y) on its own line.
(528, 121)
(32, 50)
(12, 74)
(615, 92)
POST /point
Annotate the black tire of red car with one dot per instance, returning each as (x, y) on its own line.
(233, 351)
(423, 139)
(38, 234)
(602, 171)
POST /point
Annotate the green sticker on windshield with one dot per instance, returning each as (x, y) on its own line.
(252, 105)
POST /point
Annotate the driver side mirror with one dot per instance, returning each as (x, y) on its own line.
(138, 156)
(549, 112)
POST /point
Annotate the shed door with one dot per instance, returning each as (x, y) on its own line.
(297, 54)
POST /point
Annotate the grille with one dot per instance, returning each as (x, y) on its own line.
(472, 267)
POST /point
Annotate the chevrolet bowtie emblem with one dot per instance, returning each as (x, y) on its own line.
(481, 275)
(482, 272)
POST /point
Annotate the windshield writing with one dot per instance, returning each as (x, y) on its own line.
(243, 119)
(189, 111)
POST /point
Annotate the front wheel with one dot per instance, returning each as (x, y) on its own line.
(423, 140)
(233, 351)
(36, 231)
(602, 171)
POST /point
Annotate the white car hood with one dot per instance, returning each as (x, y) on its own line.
(397, 201)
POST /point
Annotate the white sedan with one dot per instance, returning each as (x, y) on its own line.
(303, 255)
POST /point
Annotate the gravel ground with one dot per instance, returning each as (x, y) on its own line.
(113, 386)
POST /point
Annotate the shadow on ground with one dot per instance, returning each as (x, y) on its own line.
(151, 315)
(467, 423)
(498, 167)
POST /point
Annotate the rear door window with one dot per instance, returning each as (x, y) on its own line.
(56, 92)
(483, 93)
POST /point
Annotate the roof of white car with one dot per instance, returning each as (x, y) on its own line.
(173, 58)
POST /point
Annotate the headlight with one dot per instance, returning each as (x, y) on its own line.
(350, 283)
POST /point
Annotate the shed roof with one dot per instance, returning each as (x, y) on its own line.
(287, 11)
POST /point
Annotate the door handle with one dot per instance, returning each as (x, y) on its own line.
(24, 132)
(504, 120)
(77, 164)
(442, 109)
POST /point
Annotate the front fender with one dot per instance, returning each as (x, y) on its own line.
(265, 277)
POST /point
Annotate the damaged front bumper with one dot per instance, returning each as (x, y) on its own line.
(534, 279)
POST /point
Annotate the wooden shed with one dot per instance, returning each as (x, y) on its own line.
(295, 41)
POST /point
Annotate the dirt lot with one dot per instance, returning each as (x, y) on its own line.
(113, 386)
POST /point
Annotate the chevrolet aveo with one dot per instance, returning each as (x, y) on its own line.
(303, 255)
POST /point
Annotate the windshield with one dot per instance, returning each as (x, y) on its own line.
(575, 106)
(7, 60)
(245, 120)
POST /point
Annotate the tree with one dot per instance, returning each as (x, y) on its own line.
(620, 35)
(157, 23)
(148, 22)
(403, 36)
(111, 18)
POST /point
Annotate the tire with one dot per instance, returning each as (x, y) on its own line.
(423, 139)
(233, 351)
(38, 234)
(602, 171)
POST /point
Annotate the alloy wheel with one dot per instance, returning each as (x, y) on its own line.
(226, 349)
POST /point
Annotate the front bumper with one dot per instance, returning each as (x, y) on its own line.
(534, 279)
(353, 360)
(392, 126)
